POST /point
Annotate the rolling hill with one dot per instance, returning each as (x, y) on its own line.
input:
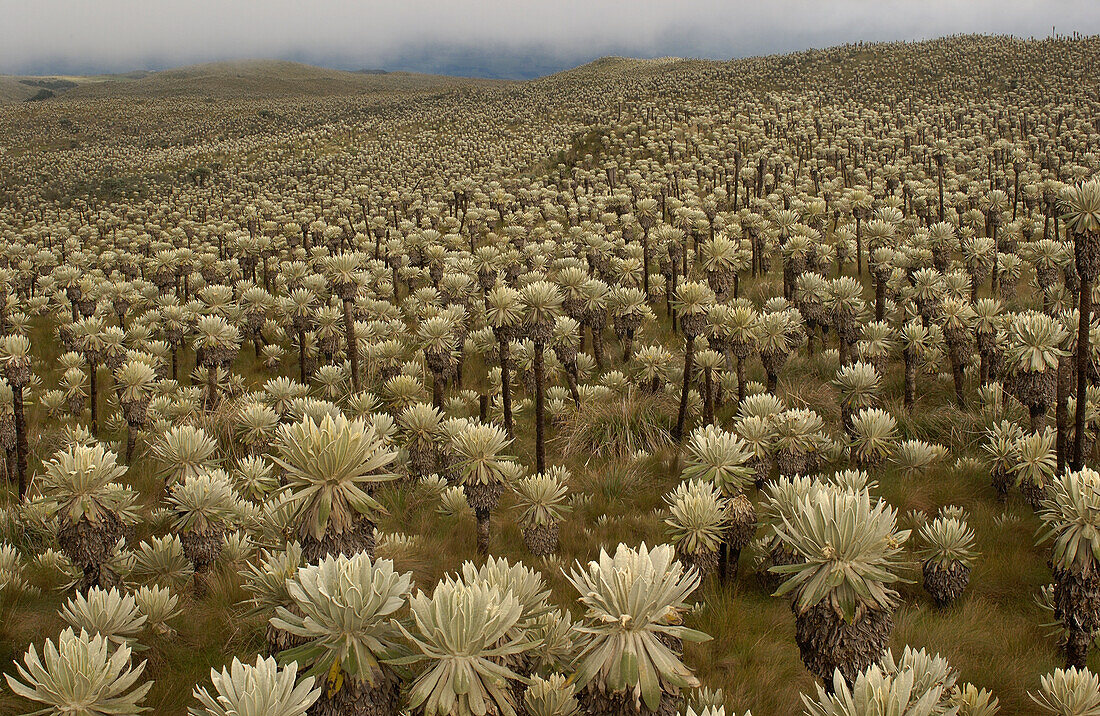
(246, 79)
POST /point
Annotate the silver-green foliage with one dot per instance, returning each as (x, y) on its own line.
(631, 599)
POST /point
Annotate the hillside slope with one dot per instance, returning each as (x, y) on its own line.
(246, 79)
(263, 78)
(11, 90)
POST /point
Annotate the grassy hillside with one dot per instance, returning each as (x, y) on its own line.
(246, 79)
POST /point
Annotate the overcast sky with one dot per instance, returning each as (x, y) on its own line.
(55, 36)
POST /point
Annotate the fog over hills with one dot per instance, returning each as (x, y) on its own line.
(487, 38)
(451, 60)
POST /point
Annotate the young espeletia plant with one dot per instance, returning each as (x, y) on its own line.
(81, 674)
(541, 501)
(948, 555)
(262, 689)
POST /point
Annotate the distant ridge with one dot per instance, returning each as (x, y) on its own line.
(438, 69)
(245, 79)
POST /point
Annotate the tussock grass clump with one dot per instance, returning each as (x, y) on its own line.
(620, 427)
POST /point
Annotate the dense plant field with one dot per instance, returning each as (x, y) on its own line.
(664, 386)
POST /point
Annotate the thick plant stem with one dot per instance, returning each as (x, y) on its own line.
(20, 439)
(708, 404)
(910, 380)
(211, 387)
(597, 343)
(1036, 417)
(957, 375)
(859, 248)
(437, 391)
(681, 417)
(1076, 648)
(506, 388)
(1082, 371)
(628, 346)
(740, 381)
(540, 411)
(571, 379)
(993, 278)
(939, 166)
(1061, 411)
(353, 347)
(483, 533)
(843, 350)
(93, 393)
(672, 311)
(302, 357)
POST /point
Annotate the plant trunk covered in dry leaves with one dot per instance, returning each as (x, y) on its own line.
(828, 642)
